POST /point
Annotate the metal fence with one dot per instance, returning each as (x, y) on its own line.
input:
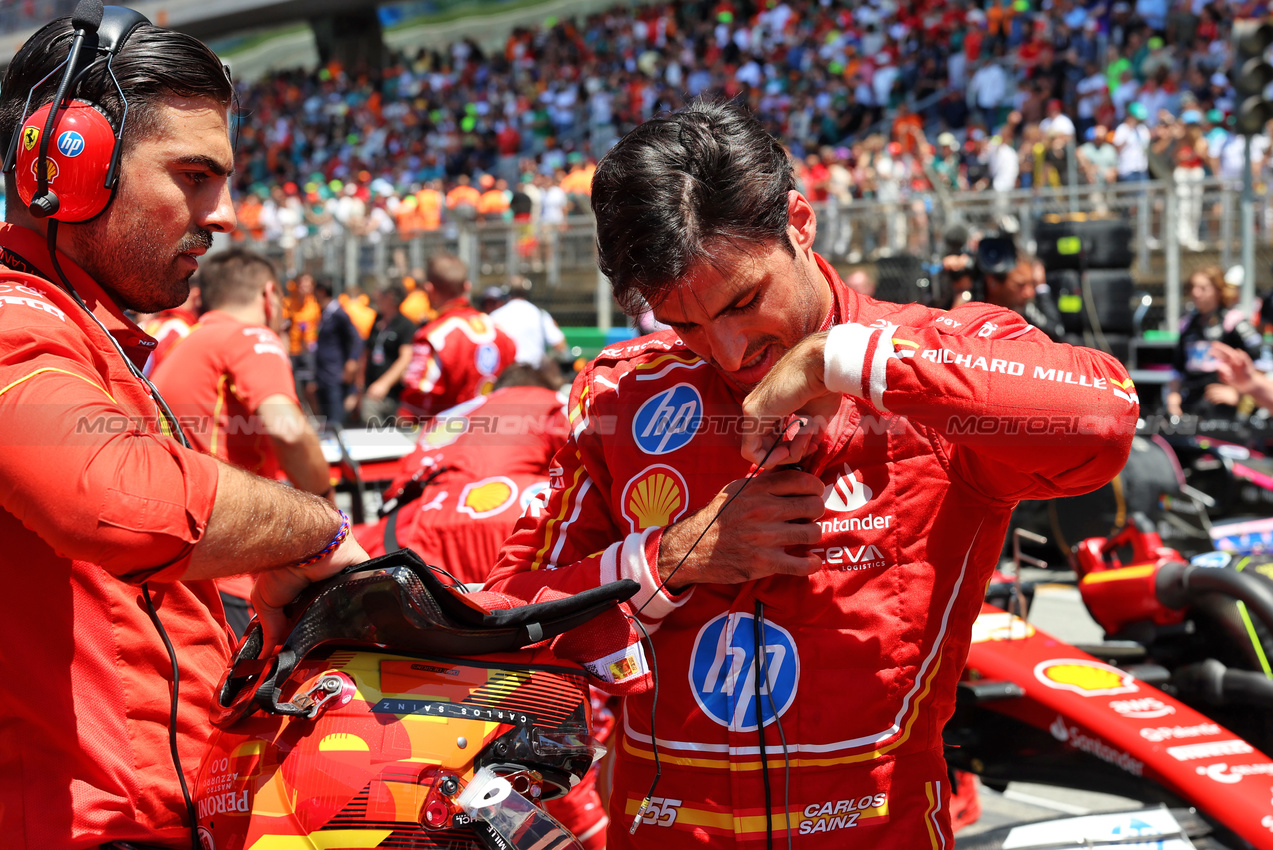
(1178, 227)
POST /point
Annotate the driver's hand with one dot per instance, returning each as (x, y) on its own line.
(794, 385)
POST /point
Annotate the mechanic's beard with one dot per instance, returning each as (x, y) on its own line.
(135, 273)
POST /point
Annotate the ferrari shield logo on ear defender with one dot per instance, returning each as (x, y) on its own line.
(30, 136)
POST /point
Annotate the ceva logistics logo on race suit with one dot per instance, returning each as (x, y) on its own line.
(70, 144)
(668, 420)
(723, 671)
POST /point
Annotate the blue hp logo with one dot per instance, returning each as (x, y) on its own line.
(668, 421)
(486, 359)
(723, 671)
(70, 143)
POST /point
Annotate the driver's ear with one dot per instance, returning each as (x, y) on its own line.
(802, 223)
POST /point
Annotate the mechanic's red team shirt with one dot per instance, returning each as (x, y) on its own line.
(949, 419)
(454, 358)
(485, 463)
(94, 500)
(215, 380)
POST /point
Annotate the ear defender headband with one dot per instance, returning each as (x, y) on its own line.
(66, 154)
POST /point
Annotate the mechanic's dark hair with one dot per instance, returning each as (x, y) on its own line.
(324, 285)
(524, 375)
(447, 274)
(678, 189)
(234, 278)
(154, 63)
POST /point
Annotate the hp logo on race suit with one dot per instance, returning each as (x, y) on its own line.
(668, 420)
(723, 671)
(487, 359)
(70, 143)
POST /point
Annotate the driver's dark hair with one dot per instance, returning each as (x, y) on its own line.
(680, 188)
(154, 63)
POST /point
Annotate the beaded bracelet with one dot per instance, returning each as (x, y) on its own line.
(330, 547)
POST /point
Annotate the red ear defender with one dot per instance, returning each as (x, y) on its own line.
(78, 160)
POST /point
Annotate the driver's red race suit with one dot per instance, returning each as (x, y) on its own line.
(949, 420)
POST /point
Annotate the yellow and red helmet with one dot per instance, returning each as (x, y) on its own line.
(341, 741)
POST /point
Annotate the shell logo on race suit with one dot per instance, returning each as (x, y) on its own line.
(656, 496)
(70, 144)
(487, 497)
(723, 671)
(1081, 676)
(668, 420)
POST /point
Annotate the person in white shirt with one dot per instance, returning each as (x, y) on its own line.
(1057, 121)
(1132, 141)
(532, 328)
(989, 87)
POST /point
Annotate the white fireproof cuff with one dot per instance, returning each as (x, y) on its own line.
(855, 358)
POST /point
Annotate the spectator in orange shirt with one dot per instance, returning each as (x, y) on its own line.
(356, 303)
(249, 215)
(429, 205)
(908, 128)
(493, 204)
(301, 316)
(462, 196)
(416, 306)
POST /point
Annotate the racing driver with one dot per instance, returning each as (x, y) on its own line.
(810, 616)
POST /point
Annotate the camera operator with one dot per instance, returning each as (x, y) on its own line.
(993, 272)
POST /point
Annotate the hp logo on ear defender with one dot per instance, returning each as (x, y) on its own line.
(73, 179)
(70, 143)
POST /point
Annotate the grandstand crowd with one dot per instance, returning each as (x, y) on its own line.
(876, 100)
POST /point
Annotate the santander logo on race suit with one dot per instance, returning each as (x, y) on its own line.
(846, 493)
(849, 495)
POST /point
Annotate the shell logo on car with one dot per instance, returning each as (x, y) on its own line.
(656, 496)
(487, 497)
(1085, 677)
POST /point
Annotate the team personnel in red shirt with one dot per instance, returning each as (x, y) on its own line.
(459, 354)
(230, 384)
(107, 520)
(232, 381)
(815, 618)
(475, 470)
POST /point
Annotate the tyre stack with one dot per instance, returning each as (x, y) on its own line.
(1088, 262)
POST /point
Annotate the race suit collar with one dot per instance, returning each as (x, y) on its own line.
(841, 307)
(24, 250)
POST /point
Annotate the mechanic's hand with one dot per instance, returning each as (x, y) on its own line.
(275, 588)
(776, 510)
(1234, 367)
(793, 385)
(1221, 394)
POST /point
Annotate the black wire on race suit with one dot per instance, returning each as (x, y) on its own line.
(654, 669)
